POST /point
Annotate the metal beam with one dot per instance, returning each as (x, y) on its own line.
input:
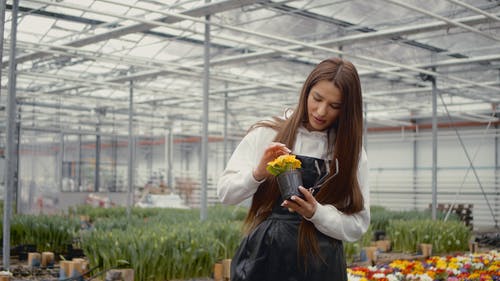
(206, 9)
(358, 38)
(444, 19)
(449, 62)
(313, 46)
(93, 22)
(155, 68)
(474, 9)
(283, 40)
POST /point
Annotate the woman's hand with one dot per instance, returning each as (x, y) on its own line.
(305, 207)
(274, 150)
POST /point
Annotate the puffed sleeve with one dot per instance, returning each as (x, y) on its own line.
(338, 225)
(237, 182)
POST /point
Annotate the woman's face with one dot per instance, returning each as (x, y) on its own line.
(323, 105)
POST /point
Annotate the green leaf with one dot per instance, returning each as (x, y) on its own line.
(273, 171)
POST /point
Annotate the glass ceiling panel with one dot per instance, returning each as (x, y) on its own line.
(260, 54)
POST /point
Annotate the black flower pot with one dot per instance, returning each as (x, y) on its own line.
(288, 183)
(23, 251)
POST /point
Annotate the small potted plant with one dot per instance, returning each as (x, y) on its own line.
(285, 168)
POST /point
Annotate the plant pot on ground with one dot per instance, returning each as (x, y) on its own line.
(23, 250)
(72, 252)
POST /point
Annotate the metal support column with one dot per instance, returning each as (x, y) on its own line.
(365, 126)
(79, 170)
(97, 172)
(415, 169)
(114, 162)
(426, 77)
(60, 161)
(434, 147)
(204, 138)
(17, 194)
(130, 156)
(497, 171)
(226, 115)
(10, 136)
(2, 25)
(169, 157)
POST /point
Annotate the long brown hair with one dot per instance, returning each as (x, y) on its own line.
(341, 191)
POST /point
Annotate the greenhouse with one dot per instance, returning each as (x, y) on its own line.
(119, 120)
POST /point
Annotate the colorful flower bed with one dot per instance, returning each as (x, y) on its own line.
(471, 267)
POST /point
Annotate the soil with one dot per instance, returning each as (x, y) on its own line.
(21, 272)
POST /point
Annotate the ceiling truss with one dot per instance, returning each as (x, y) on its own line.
(84, 56)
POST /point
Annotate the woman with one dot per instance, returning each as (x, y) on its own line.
(301, 238)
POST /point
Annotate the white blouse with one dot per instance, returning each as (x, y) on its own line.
(237, 182)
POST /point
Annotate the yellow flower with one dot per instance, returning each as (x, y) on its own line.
(453, 265)
(441, 264)
(494, 268)
(418, 268)
(283, 163)
(474, 275)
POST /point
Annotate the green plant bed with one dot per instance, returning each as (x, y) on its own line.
(380, 217)
(445, 237)
(47, 233)
(165, 244)
(173, 244)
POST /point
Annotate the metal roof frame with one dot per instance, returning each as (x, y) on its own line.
(242, 53)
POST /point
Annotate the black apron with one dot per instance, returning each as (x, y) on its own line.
(270, 251)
